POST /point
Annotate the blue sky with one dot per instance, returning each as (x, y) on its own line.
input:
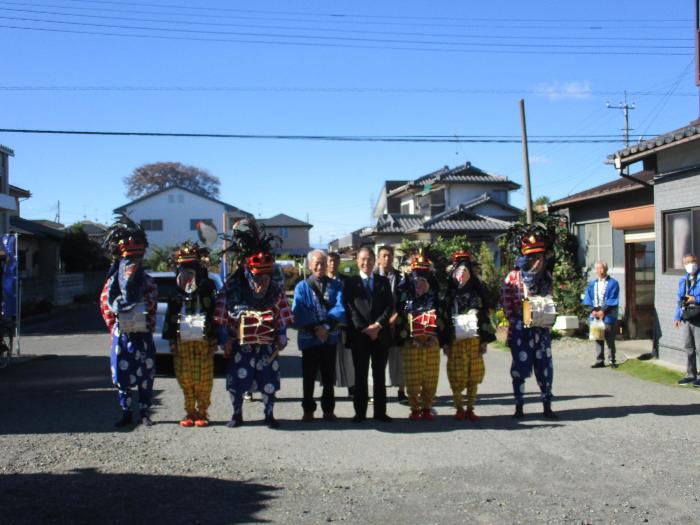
(567, 59)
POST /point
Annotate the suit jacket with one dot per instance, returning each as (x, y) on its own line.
(362, 310)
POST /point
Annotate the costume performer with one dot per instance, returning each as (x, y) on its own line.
(470, 331)
(421, 331)
(189, 327)
(528, 283)
(254, 312)
(128, 303)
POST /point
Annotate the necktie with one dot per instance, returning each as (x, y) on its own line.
(368, 286)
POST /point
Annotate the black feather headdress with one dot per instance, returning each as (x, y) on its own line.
(125, 238)
(252, 245)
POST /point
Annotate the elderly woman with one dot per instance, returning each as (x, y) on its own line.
(318, 309)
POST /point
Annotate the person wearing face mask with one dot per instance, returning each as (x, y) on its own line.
(602, 295)
(128, 304)
(421, 331)
(530, 346)
(189, 327)
(318, 309)
(687, 318)
(469, 332)
(253, 314)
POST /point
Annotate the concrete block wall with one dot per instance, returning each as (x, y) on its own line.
(670, 195)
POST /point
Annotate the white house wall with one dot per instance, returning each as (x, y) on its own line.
(176, 215)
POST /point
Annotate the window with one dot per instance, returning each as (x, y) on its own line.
(595, 243)
(283, 232)
(152, 225)
(500, 195)
(180, 198)
(681, 236)
(407, 207)
(194, 222)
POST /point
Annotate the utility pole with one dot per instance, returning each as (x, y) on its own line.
(58, 213)
(625, 107)
(526, 162)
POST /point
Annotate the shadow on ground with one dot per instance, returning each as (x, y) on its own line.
(81, 318)
(88, 496)
(53, 394)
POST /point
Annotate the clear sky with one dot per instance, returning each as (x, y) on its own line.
(320, 68)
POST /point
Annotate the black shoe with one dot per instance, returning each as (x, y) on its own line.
(687, 381)
(125, 420)
(146, 421)
(384, 418)
(519, 414)
(548, 412)
(330, 417)
(236, 421)
(271, 422)
(613, 365)
(599, 364)
(358, 418)
(401, 396)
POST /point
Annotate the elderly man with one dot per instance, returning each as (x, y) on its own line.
(317, 309)
(687, 317)
(602, 296)
(385, 267)
(369, 306)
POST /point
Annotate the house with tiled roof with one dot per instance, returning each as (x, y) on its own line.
(671, 163)
(614, 223)
(463, 200)
(294, 233)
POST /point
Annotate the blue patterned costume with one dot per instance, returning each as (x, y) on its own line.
(132, 355)
(252, 367)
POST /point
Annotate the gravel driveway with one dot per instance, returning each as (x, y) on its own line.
(625, 451)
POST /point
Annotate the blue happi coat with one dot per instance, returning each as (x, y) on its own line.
(309, 312)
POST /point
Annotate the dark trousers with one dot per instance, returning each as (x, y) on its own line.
(361, 356)
(312, 359)
(610, 341)
(691, 342)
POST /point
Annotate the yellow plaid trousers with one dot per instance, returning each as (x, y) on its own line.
(421, 367)
(465, 369)
(194, 369)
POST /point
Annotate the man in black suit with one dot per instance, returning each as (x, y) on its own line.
(368, 306)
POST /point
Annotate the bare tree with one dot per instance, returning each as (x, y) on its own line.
(159, 175)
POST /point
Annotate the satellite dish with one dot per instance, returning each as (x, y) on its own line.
(207, 233)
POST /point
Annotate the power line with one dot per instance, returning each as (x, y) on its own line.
(354, 15)
(311, 89)
(504, 139)
(354, 31)
(325, 39)
(346, 46)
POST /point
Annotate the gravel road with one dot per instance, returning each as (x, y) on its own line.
(625, 451)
